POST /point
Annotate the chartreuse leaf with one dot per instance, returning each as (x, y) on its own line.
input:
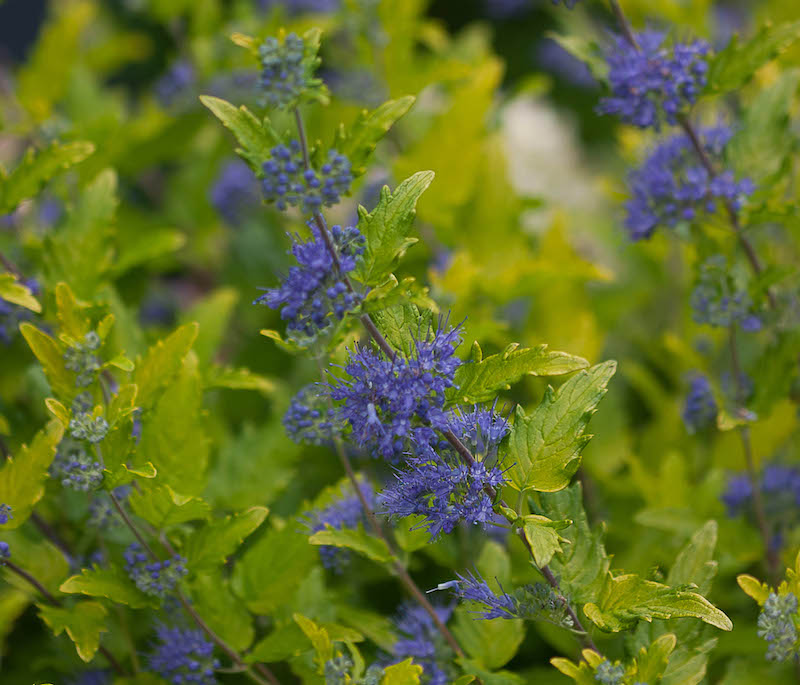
(238, 379)
(271, 569)
(289, 640)
(36, 168)
(119, 456)
(404, 673)
(255, 137)
(111, 583)
(540, 532)
(162, 507)
(402, 324)
(11, 290)
(22, 477)
(318, 637)
(490, 643)
(583, 564)
(479, 379)
(734, 66)
(545, 446)
(375, 626)
(387, 228)
(217, 540)
(695, 562)
(358, 141)
(140, 244)
(73, 318)
(473, 668)
(627, 599)
(212, 315)
(83, 622)
(162, 362)
(50, 352)
(754, 588)
(652, 662)
(175, 440)
(583, 672)
(42, 559)
(356, 539)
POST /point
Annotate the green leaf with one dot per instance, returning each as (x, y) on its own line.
(111, 583)
(401, 325)
(545, 447)
(83, 622)
(375, 626)
(540, 532)
(139, 246)
(754, 588)
(255, 138)
(271, 569)
(479, 379)
(22, 477)
(49, 352)
(281, 644)
(695, 562)
(36, 168)
(583, 564)
(356, 539)
(387, 228)
(391, 293)
(175, 440)
(738, 62)
(162, 362)
(359, 141)
(472, 667)
(763, 139)
(217, 540)
(237, 379)
(584, 49)
(404, 673)
(212, 314)
(162, 507)
(318, 637)
(652, 662)
(18, 293)
(225, 614)
(410, 534)
(627, 599)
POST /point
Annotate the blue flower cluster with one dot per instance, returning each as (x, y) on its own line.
(235, 192)
(156, 578)
(420, 639)
(102, 513)
(5, 514)
(5, 551)
(81, 359)
(672, 185)
(700, 408)
(343, 512)
(75, 467)
(387, 402)
(651, 83)
(313, 294)
(776, 625)
(569, 4)
(308, 418)
(92, 678)
(87, 426)
(716, 301)
(12, 315)
(284, 73)
(287, 182)
(174, 83)
(443, 490)
(482, 430)
(184, 657)
(299, 6)
(609, 673)
(337, 672)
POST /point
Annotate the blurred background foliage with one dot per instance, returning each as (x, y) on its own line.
(520, 234)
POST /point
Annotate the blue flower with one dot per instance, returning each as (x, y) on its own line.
(94, 677)
(156, 578)
(609, 674)
(563, 64)
(308, 418)
(737, 496)
(700, 408)
(5, 551)
(87, 426)
(717, 301)
(388, 402)
(75, 467)
(482, 430)
(184, 657)
(5, 514)
(776, 625)
(672, 185)
(287, 182)
(80, 358)
(421, 639)
(299, 6)
(653, 83)
(102, 513)
(443, 490)
(284, 72)
(235, 192)
(171, 85)
(343, 512)
(313, 295)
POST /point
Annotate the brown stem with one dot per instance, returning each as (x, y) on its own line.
(623, 22)
(773, 560)
(553, 582)
(42, 590)
(47, 530)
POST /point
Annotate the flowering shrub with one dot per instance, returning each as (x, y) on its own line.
(383, 487)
